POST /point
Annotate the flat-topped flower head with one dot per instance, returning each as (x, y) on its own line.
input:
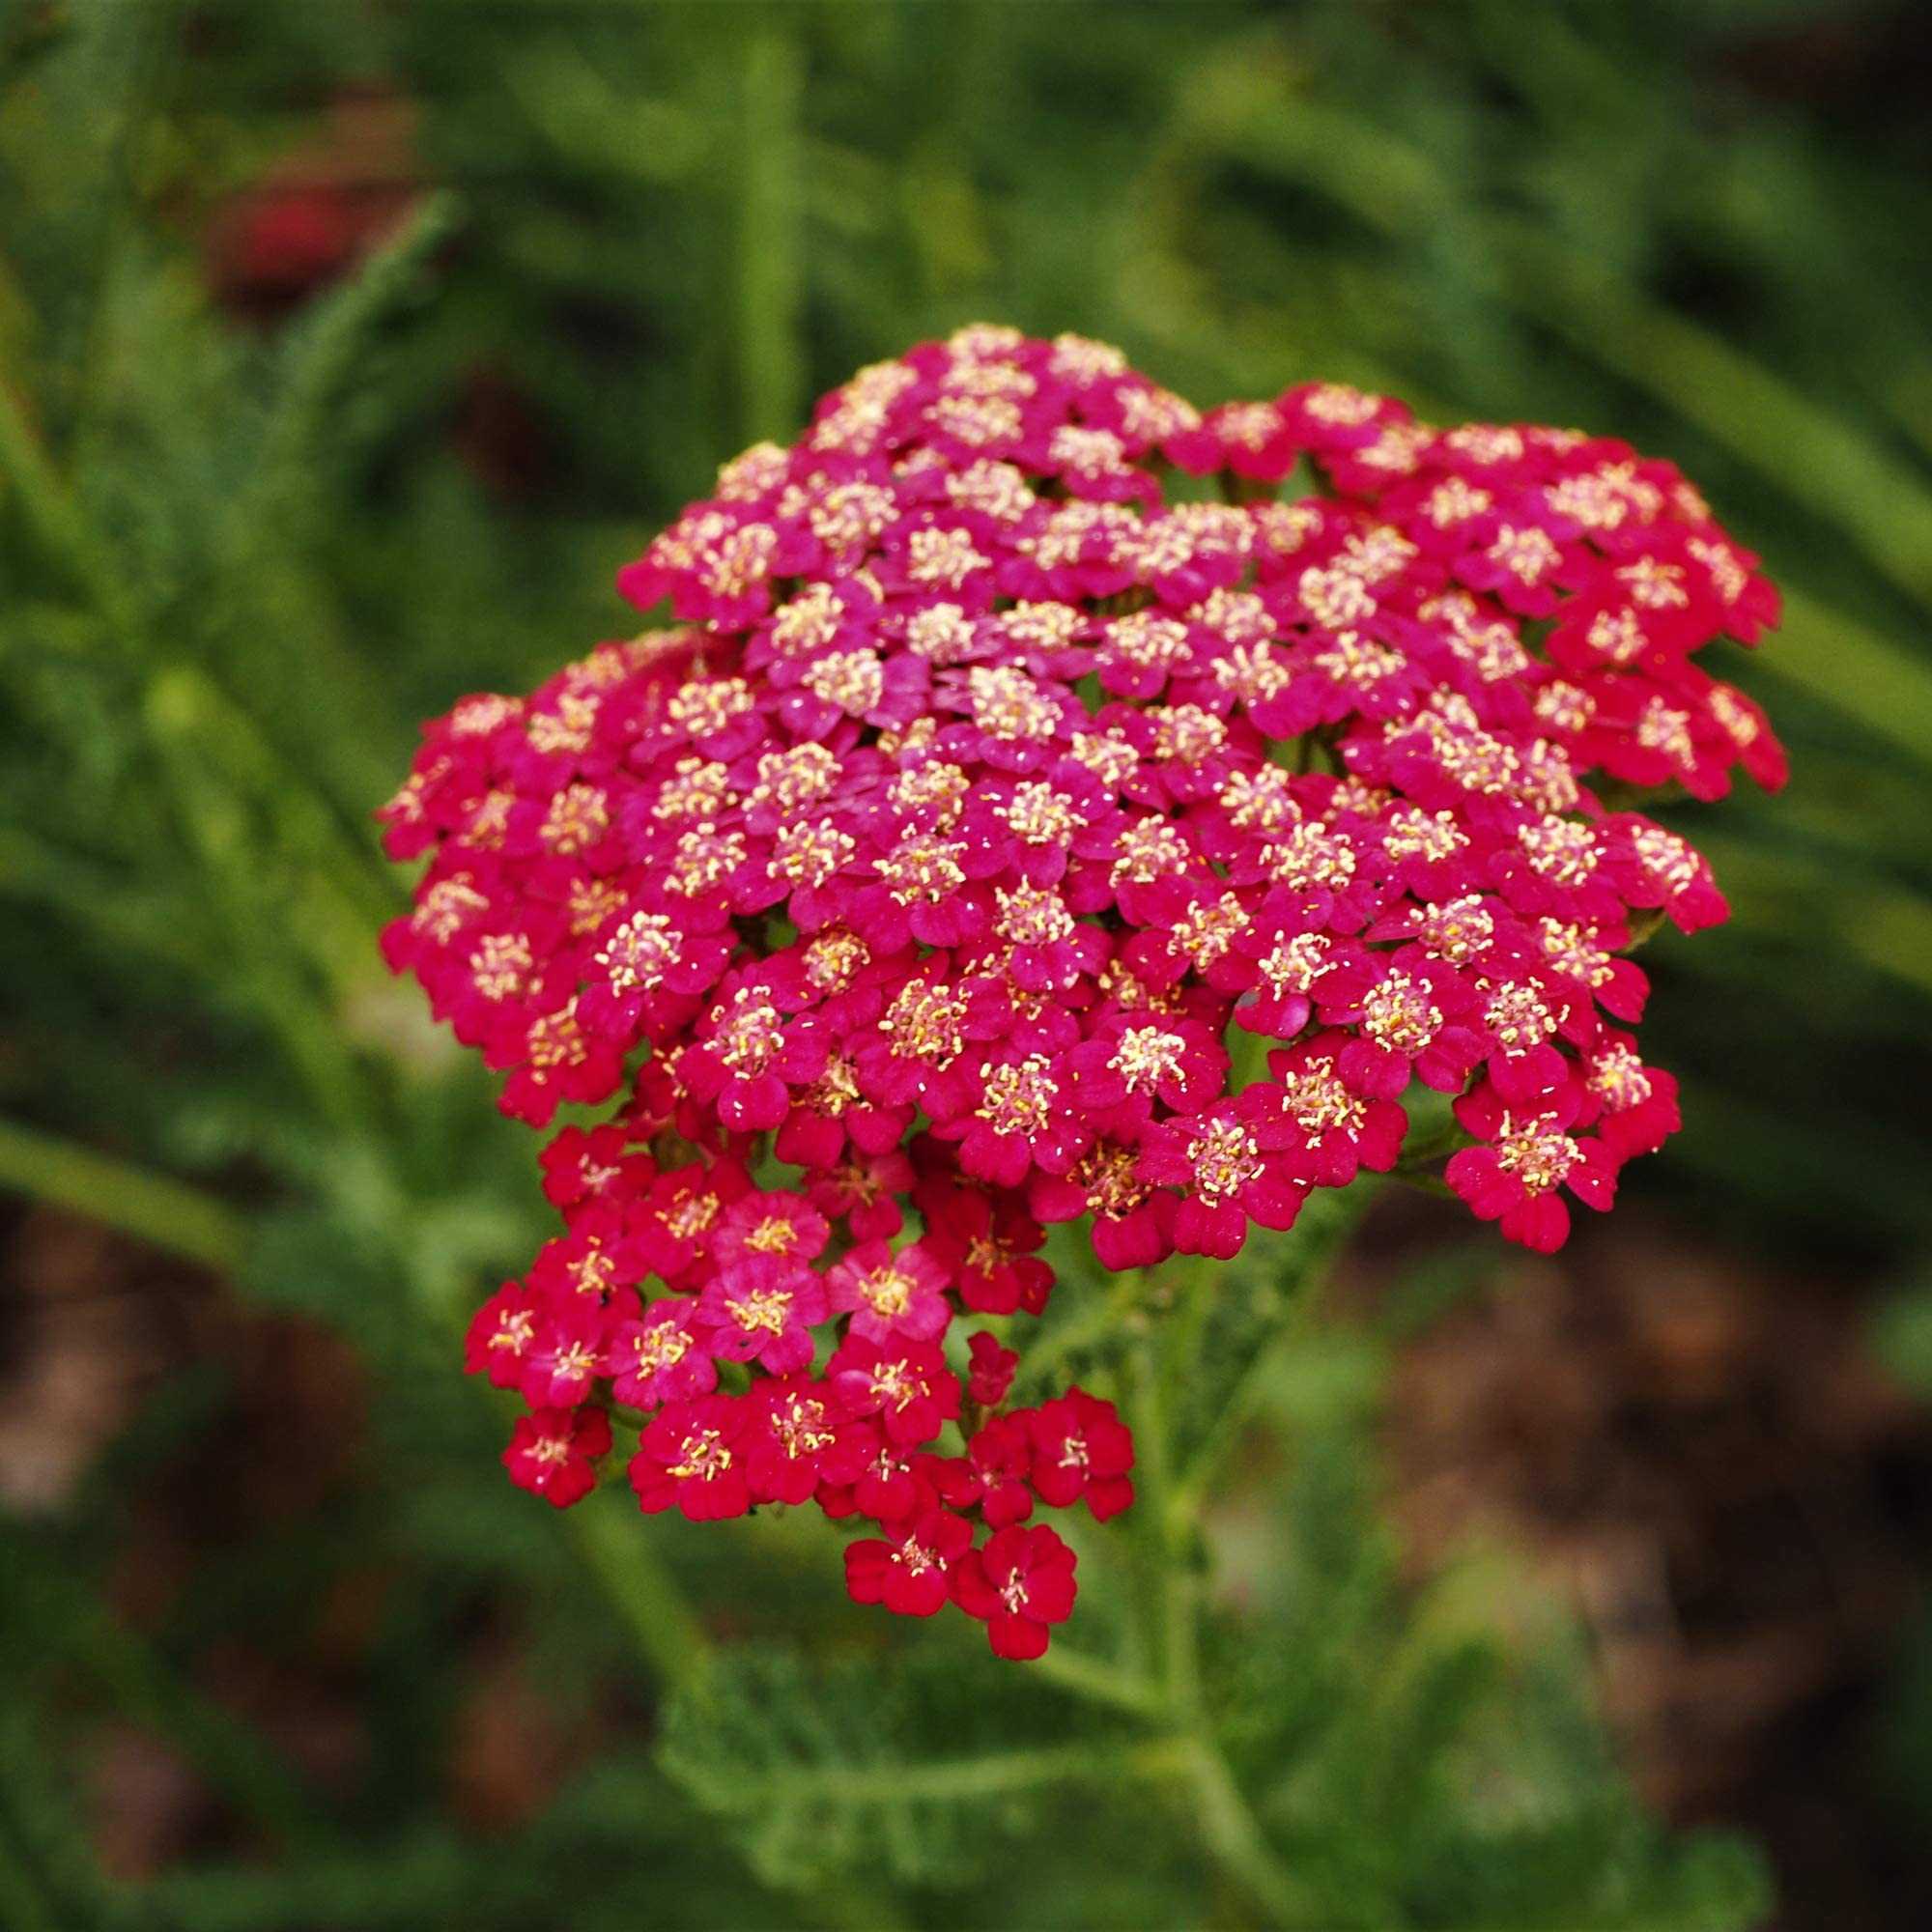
(987, 836)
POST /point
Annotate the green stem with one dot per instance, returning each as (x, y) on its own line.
(1149, 1539)
(134, 1200)
(1154, 1379)
(1228, 1825)
(1183, 1328)
(1238, 1843)
(1102, 1320)
(668, 1638)
(1098, 1681)
(993, 1774)
(1326, 1223)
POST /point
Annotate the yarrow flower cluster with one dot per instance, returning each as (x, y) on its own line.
(985, 804)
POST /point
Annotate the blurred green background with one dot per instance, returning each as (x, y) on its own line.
(345, 350)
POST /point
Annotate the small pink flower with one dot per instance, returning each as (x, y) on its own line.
(501, 1334)
(865, 1473)
(554, 1453)
(1632, 1106)
(999, 1463)
(748, 1059)
(862, 1192)
(795, 1422)
(890, 1293)
(992, 1369)
(1225, 1178)
(673, 1227)
(583, 1168)
(1081, 1449)
(660, 1358)
(906, 1384)
(566, 1355)
(1328, 1131)
(1514, 1177)
(908, 1571)
(989, 1248)
(761, 1309)
(1139, 1060)
(1018, 1584)
(694, 1458)
(786, 1227)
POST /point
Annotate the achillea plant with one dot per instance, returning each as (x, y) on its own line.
(994, 841)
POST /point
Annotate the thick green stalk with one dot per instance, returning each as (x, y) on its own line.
(1156, 1379)
(1238, 1843)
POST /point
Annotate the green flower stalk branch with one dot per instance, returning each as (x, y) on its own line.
(1157, 1372)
